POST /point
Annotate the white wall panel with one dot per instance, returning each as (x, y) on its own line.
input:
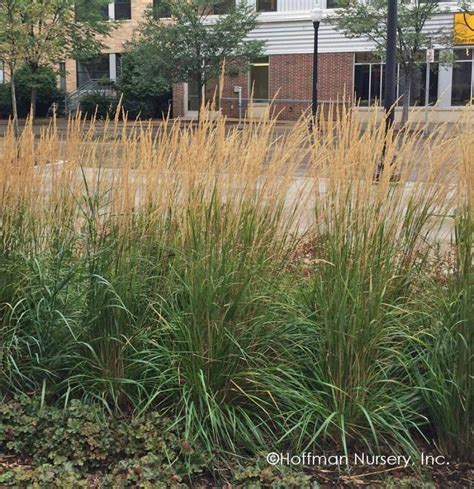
(286, 34)
(295, 5)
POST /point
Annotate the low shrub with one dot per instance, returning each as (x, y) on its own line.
(101, 105)
(147, 107)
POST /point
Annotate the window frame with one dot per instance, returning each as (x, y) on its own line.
(462, 62)
(259, 63)
(370, 101)
(79, 72)
(155, 5)
(260, 11)
(104, 12)
(128, 4)
(369, 91)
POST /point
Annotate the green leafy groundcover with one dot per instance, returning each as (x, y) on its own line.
(80, 445)
(65, 446)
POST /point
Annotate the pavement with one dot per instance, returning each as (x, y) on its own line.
(439, 227)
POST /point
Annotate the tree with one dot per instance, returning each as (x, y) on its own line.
(53, 30)
(197, 47)
(141, 78)
(145, 87)
(357, 18)
(12, 34)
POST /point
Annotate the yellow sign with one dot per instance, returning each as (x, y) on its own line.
(464, 28)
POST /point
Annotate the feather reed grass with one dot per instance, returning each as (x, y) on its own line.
(161, 267)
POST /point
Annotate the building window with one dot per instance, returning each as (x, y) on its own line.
(93, 69)
(332, 3)
(118, 64)
(223, 7)
(62, 76)
(83, 11)
(266, 5)
(418, 85)
(462, 90)
(369, 82)
(259, 79)
(161, 10)
(368, 79)
(123, 9)
(209, 94)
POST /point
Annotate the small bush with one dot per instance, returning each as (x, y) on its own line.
(148, 107)
(99, 104)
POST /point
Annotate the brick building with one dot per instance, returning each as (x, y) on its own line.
(347, 69)
(77, 74)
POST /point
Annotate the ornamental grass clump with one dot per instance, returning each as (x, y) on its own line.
(370, 252)
(160, 269)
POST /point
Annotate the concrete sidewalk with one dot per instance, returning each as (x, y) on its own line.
(281, 126)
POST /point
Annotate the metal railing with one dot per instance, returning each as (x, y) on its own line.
(73, 99)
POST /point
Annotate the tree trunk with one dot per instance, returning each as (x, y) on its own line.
(200, 99)
(406, 96)
(16, 129)
(34, 91)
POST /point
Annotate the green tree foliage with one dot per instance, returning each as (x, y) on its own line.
(358, 19)
(43, 32)
(194, 46)
(47, 92)
(12, 49)
(139, 75)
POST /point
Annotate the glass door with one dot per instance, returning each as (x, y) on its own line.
(209, 94)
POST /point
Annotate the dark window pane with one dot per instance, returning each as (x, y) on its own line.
(332, 3)
(118, 64)
(211, 93)
(266, 5)
(376, 84)
(91, 10)
(433, 88)
(418, 90)
(224, 7)
(462, 80)
(361, 84)
(463, 54)
(161, 9)
(93, 69)
(62, 76)
(193, 94)
(259, 79)
(401, 86)
(123, 9)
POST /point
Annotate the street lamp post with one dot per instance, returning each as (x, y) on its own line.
(390, 78)
(391, 66)
(316, 16)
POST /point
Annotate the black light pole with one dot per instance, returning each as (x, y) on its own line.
(391, 65)
(316, 16)
(390, 78)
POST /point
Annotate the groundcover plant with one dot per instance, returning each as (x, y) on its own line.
(257, 289)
